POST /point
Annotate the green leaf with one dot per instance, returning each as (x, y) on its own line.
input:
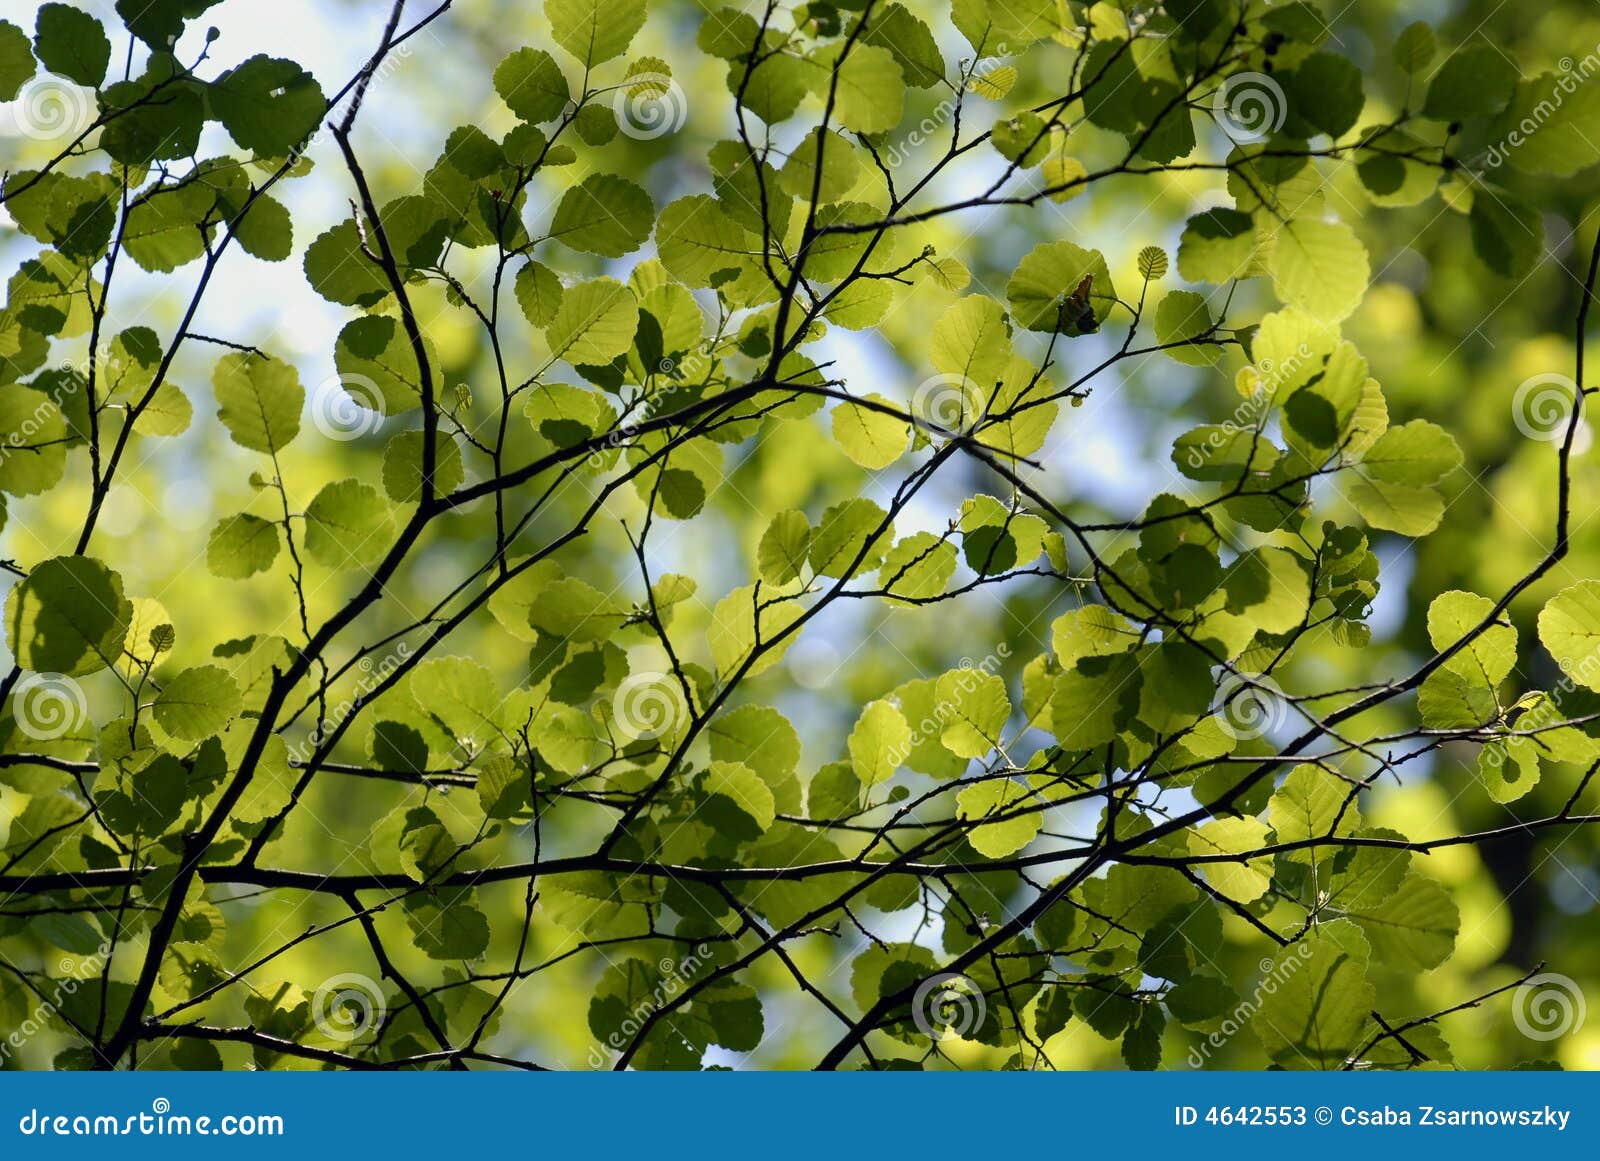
(997, 796)
(268, 105)
(1474, 82)
(160, 22)
(1244, 880)
(16, 60)
(402, 467)
(1509, 769)
(347, 525)
(1507, 233)
(1414, 47)
(1402, 508)
(1569, 627)
(878, 742)
(1320, 267)
(870, 93)
(1311, 804)
(872, 438)
(265, 230)
(260, 400)
(1325, 93)
(531, 83)
(1001, 27)
(1184, 315)
(1492, 653)
(741, 786)
(538, 291)
(342, 271)
(68, 615)
(781, 555)
(1416, 454)
(33, 451)
(897, 29)
(1567, 134)
(71, 44)
(1412, 928)
(377, 364)
(974, 709)
(445, 925)
(1047, 275)
(594, 30)
(594, 324)
(170, 228)
(1217, 246)
(197, 703)
(1320, 1012)
(241, 546)
(605, 215)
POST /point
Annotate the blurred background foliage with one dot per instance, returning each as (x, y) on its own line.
(1447, 337)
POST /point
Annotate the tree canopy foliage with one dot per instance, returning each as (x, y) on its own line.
(1004, 534)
